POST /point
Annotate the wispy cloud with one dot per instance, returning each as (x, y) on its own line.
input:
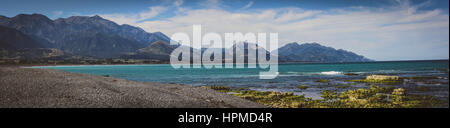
(57, 13)
(131, 19)
(152, 12)
(248, 5)
(178, 3)
(399, 31)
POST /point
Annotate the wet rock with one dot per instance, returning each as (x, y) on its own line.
(382, 77)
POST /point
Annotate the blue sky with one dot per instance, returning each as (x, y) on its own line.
(378, 29)
(72, 7)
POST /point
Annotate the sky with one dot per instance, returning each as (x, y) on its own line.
(377, 29)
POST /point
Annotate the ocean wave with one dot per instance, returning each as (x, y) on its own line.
(292, 74)
(330, 73)
(309, 73)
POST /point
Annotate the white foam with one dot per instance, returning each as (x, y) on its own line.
(331, 73)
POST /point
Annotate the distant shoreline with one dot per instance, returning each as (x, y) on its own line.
(49, 65)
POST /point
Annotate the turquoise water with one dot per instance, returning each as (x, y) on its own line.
(290, 75)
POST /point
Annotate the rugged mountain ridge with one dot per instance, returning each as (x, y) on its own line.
(76, 32)
(314, 52)
(159, 50)
(13, 39)
(15, 44)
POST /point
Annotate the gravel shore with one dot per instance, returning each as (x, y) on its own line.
(47, 88)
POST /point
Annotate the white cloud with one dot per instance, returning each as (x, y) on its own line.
(131, 19)
(57, 13)
(178, 3)
(248, 5)
(293, 14)
(399, 32)
(154, 11)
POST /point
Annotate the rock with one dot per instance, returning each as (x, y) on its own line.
(287, 94)
(382, 77)
(398, 91)
(302, 87)
(232, 93)
(218, 87)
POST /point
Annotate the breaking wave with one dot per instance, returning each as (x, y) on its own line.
(330, 73)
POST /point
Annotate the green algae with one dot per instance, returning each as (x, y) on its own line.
(323, 81)
(423, 88)
(219, 88)
(342, 86)
(375, 81)
(373, 97)
(302, 87)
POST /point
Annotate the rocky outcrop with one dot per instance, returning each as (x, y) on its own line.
(382, 77)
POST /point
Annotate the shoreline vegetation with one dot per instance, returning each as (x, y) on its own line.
(373, 97)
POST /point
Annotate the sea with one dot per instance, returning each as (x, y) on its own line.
(433, 76)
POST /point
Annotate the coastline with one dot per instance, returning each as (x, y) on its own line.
(329, 98)
(48, 88)
(294, 62)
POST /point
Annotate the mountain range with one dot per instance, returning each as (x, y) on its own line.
(82, 35)
(28, 36)
(314, 52)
